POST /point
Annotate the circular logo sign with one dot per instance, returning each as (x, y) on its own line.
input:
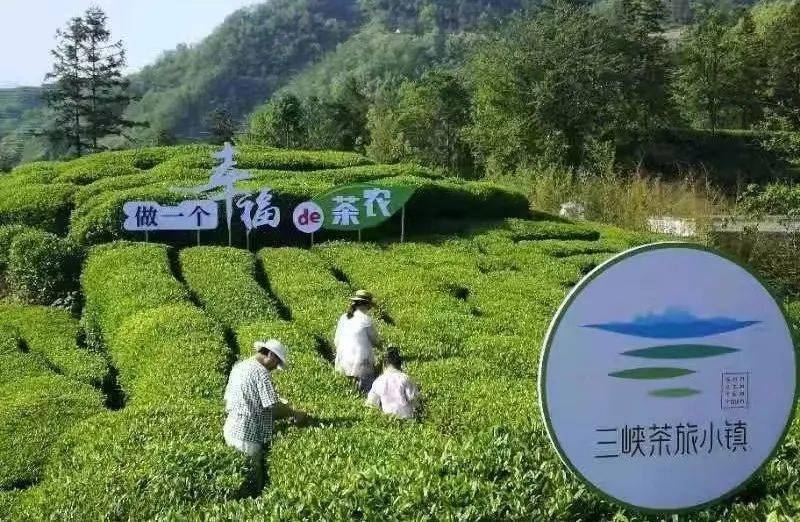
(308, 217)
(667, 377)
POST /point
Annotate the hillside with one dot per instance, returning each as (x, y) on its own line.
(21, 114)
(312, 46)
(122, 400)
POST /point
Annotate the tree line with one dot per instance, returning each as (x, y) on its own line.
(567, 83)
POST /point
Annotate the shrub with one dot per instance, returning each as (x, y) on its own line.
(34, 172)
(34, 412)
(83, 175)
(43, 267)
(170, 354)
(306, 286)
(775, 199)
(121, 279)
(136, 464)
(42, 206)
(14, 363)
(224, 282)
(539, 230)
(7, 235)
(53, 334)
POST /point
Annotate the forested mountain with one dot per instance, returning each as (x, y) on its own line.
(325, 49)
(21, 114)
(252, 53)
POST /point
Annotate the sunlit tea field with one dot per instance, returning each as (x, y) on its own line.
(113, 410)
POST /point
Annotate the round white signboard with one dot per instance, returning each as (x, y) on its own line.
(667, 377)
(308, 217)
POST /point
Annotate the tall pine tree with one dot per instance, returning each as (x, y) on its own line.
(65, 96)
(89, 93)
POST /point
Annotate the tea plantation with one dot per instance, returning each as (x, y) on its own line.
(111, 406)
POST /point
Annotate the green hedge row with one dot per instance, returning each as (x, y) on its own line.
(164, 450)
(35, 411)
(121, 279)
(7, 235)
(170, 354)
(306, 285)
(224, 282)
(42, 206)
(135, 464)
(42, 267)
(253, 157)
(53, 334)
(33, 173)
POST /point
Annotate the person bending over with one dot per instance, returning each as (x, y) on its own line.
(394, 391)
(251, 405)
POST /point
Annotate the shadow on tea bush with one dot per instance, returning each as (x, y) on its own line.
(43, 267)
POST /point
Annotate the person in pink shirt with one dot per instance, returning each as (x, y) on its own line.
(394, 391)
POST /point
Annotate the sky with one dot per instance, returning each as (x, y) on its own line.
(146, 27)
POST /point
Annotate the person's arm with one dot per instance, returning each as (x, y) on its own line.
(373, 399)
(374, 395)
(372, 334)
(411, 391)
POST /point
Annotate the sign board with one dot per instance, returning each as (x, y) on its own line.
(308, 217)
(188, 215)
(668, 377)
(366, 205)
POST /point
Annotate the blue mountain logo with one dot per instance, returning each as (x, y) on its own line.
(674, 323)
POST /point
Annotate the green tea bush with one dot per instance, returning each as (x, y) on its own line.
(224, 282)
(170, 354)
(43, 267)
(138, 463)
(53, 334)
(34, 172)
(7, 235)
(34, 412)
(121, 279)
(102, 221)
(446, 198)
(306, 285)
(42, 206)
(538, 230)
(310, 383)
(14, 362)
(264, 158)
(83, 175)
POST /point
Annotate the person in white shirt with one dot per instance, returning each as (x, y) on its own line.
(355, 341)
(394, 391)
(252, 405)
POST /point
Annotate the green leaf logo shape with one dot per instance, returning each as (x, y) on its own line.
(359, 209)
(674, 393)
(680, 351)
(651, 373)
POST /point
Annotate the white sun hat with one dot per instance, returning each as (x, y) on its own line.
(276, 347)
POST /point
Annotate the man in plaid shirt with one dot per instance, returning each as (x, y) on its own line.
(251, 404)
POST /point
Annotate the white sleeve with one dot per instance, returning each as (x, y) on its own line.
(374, 397)
(338, 334)
(372, 332)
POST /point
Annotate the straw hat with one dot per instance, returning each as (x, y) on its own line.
(361, 296)
(276, 347)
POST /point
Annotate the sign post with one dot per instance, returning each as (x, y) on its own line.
(668, 378)
(403, 224)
